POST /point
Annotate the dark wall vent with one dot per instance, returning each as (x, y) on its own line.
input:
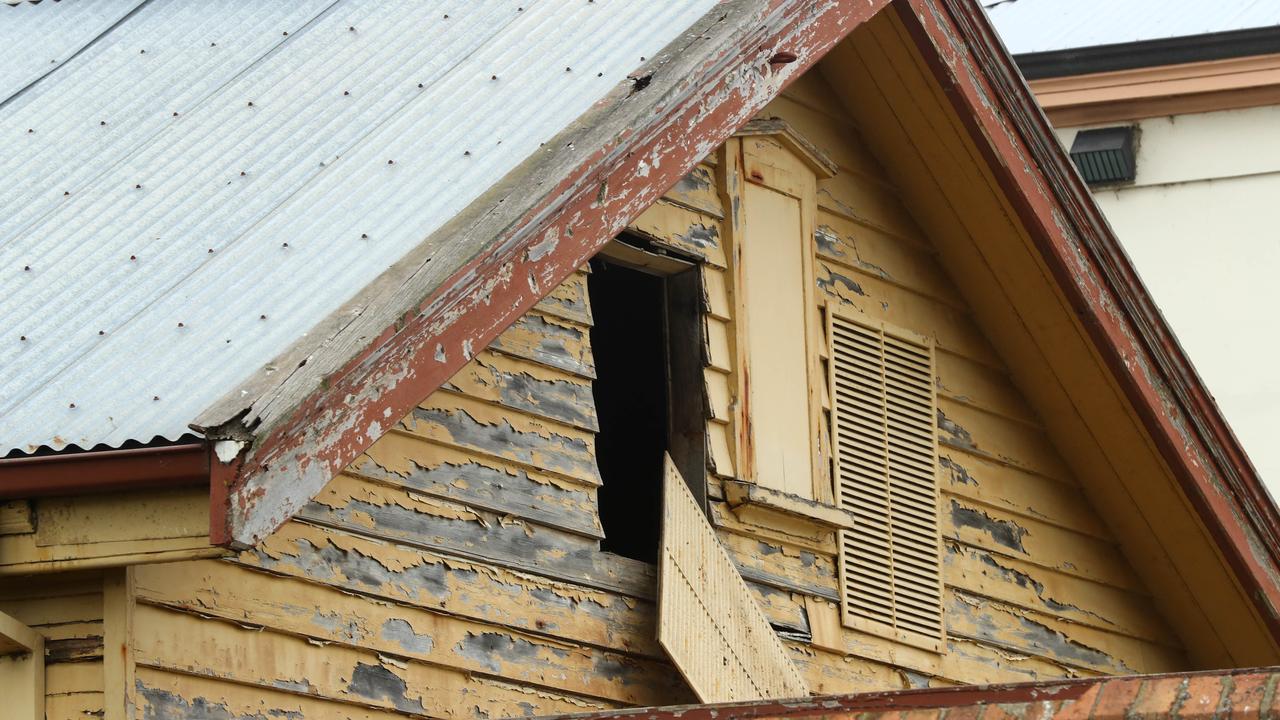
(1105, 155)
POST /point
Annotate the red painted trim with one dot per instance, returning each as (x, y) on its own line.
(918, 699)
(1096, 276)
(84, 473)
(329, 430)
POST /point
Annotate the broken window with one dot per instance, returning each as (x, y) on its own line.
(647, 342)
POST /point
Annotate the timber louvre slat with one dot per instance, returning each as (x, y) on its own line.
(893, 478)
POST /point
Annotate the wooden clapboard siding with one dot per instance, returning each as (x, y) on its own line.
(1035, 584)
(931, 153)
(452, 571)
(67, 609)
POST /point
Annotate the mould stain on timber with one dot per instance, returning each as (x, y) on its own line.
(1006, 533)
(374, 681)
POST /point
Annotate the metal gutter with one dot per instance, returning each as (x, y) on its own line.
(91, 472)
(1149, 53)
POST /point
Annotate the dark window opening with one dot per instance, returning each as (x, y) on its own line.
(646, 340)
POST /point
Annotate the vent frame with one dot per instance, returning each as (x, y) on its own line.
(858, 607)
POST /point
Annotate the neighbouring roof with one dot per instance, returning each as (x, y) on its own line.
(1033, 26)
(1219, 693)
(192, 187)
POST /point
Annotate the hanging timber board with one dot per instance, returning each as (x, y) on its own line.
(708, 621)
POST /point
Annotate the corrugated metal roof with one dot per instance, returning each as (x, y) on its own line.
(204, 182)
(1029, 26)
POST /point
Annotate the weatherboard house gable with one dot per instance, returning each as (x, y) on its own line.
(774, 349)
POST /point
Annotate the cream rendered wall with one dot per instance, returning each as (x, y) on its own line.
(1200, 223)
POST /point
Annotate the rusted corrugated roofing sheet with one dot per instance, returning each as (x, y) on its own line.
(199, 184)
(1034, 26)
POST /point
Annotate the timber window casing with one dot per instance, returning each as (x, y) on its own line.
(647, 338)
(884, 459)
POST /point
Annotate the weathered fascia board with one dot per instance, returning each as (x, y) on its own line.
(1085, 258)
(280, 440)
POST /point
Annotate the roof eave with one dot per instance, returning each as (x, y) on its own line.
(428, 316)
(1149, 53)
(90, 472)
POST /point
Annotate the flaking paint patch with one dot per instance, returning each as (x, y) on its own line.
(374, 681)
(160, 704)
(953, 434)
(493, 649)
(1006, 533)
(837, 285)
(402, 633)
(1027, 635)
(543, 449)
(957, 472)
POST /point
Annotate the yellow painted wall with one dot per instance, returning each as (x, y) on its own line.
(454, 571)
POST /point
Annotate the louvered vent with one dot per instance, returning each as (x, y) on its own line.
(885, 450)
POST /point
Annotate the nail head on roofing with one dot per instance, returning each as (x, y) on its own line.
(142, 51)
(102, 332)
(175, 113)
(182, 324)
(286, 32)
(391, 162)
(138, 186)
(26, 268)
(446, 17)
(250, 103)
(241, 173)
(284, 244)
(466, 153)
(155, 397)
(346, 92)
(31, 130)
(210, 251)
(102, 122)
(600, 74)
(352, 28)
(72, 406)
(23, 338)
(133, 257)
(493, 77)
(364, 236)
(65, 193)
(568, 69)
(262, 317)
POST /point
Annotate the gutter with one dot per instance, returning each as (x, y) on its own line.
(1149, 53)
(85, 473)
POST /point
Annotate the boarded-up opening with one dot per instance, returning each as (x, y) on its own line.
(708, 621)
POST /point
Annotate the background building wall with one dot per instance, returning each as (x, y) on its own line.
(1199, 222)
